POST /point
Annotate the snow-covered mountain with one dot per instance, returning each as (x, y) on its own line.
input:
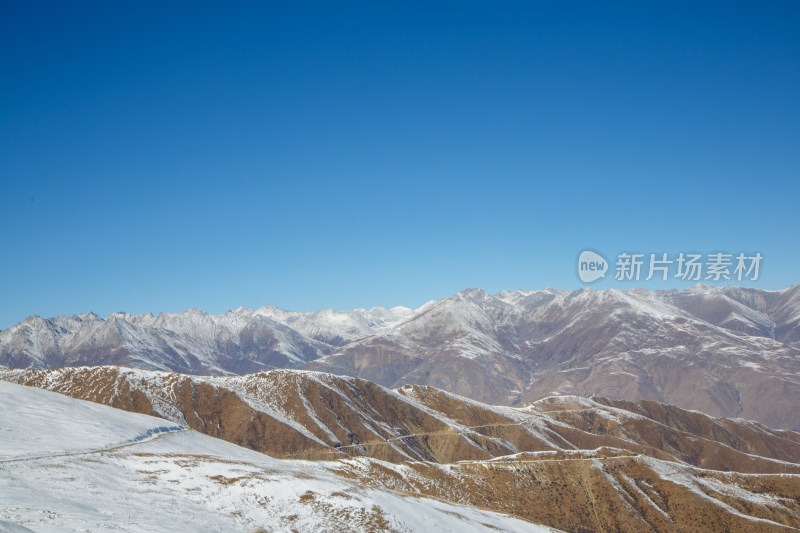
(726, 351)
(69, 465)
(723, 350)
(238, 342)
(410, 459)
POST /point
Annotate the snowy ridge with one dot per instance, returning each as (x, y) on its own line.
(188, 481)
(335, 417)
(85, 430)
(238, 341)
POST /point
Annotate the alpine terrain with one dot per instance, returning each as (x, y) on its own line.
(414, 458)
(725, 351)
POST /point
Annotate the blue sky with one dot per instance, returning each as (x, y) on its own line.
(156, 156)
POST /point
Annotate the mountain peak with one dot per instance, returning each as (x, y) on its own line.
(473, 295)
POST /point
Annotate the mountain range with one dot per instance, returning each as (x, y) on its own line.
(725, 351)
(345, 454)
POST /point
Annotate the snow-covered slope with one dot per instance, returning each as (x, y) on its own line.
(41, 423)
(571, 463)
(68, 465)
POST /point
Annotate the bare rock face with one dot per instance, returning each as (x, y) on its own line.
(726, 351)
(567, 462)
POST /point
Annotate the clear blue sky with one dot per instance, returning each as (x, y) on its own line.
(160, 155)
